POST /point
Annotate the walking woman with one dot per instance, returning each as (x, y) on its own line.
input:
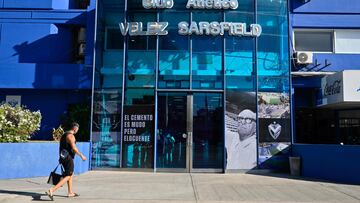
(67, 150)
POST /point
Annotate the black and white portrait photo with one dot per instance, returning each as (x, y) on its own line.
(240, 134)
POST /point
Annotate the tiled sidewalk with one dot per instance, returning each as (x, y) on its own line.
(134, 187)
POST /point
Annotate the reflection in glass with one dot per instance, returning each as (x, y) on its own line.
(106, 127)
(239, 55)
(273, 77)
(273, 84)
(208, 136)
(171, 144)
(139, 154)
(207, 55)
(107, 86)
(273, 58)
(141, 55)
(139, 92)
(174, 54)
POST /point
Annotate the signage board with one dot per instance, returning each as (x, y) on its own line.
(341, 87)
(193, 28)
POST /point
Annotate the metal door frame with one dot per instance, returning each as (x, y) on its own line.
(189, 140)
(190, 131)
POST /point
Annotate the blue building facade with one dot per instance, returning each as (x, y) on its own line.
(329, 36)
(325, 37)
(192, 86)
(184, 86)
(46, 56)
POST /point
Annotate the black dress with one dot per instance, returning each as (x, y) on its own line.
(68, 161)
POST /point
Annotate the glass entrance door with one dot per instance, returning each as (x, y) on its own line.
(190, 132)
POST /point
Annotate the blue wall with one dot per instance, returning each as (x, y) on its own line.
(40, 4)
(45, 76)
(328, 6)
(25, 160)
(330, 162)
(37, 4)
(35, 43)
(37, 46)
(40, 42)
(329, 14)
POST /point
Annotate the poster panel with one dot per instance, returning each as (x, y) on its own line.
(274, 130)
(274, 155)
(240, 130)
(138, 136)
(273, 105)
(106, 128)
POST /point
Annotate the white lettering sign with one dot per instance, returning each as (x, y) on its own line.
(219, 28)
(150, 4)
(136, 28)
(212, 4)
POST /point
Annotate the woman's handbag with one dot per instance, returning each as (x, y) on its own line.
(55, 178)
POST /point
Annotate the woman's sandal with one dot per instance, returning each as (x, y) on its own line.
(74, 195)
(50, 195)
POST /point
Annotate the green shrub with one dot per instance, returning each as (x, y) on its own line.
(17, 124)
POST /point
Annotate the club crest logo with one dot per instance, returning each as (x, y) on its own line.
(274, 130)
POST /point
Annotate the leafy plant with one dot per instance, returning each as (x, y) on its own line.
(18, 124)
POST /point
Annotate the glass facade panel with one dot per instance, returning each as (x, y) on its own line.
(138, 141)
(134, 69)
(174, 54)
(273, 58)
(109, 50)
(208, 140)
(172, 118)
(239, 54)
(207, 71)
(246, 6)
(273, 86)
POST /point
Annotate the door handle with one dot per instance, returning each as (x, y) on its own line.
(190, 141)
(184, 135)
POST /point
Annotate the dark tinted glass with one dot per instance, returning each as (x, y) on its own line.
(314, 41)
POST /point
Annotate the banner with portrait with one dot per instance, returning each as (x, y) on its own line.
(240, 130)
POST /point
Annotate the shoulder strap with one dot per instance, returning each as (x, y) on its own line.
(56, 168)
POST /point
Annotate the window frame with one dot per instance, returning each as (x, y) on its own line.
(335, 37)
(332, 31)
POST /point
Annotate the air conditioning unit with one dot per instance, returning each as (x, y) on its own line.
(304, 57)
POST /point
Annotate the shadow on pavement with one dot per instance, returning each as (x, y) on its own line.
(35, 196)
(288, 176)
